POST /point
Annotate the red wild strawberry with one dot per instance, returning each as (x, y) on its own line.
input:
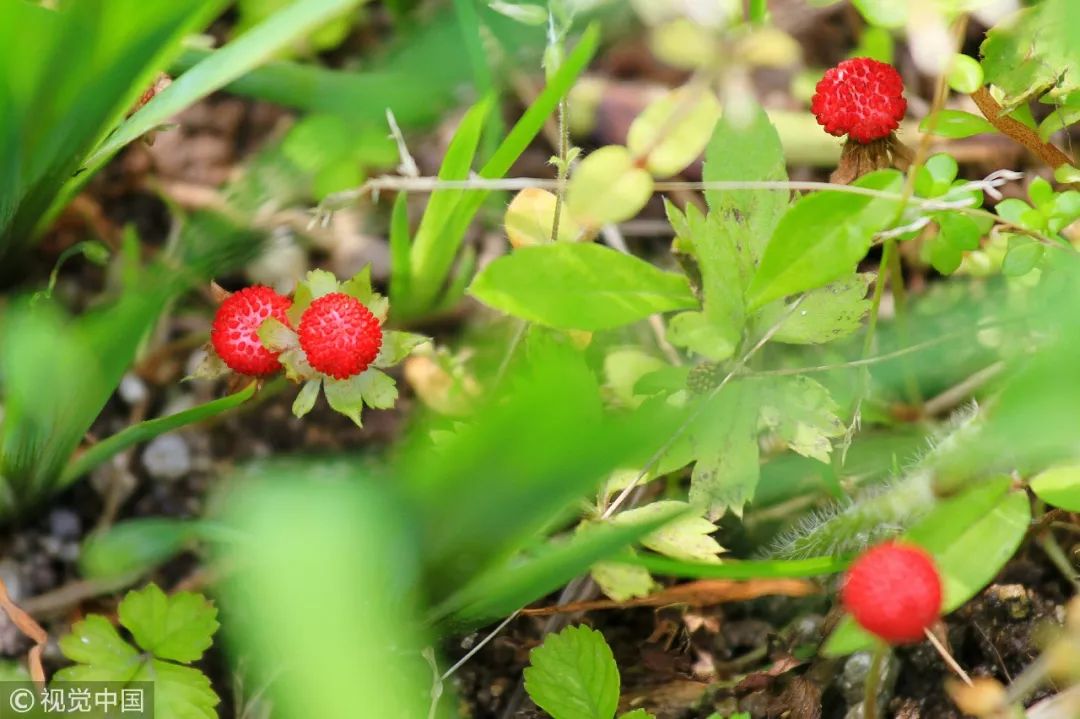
(235, 334)
(894, 591)
(340, 336)
(861, 98)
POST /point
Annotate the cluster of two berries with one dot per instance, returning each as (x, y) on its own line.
(340, 337)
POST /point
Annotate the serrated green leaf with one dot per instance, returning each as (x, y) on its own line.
(802, 413)
(95, 644)
(621, 581)
(724, 442)
(727, 160)
(687, 538)
(573, 675)
(721, 249)
(607, 187)
(396, 346)
(179, 692)
(579, 286)
(673, 130)
(179, 626)
(314, 285)
(359, 286)
(1059, 486)
(378, 389)
(956, 124)
(825, 314)
(1027, 56)
(822, 238)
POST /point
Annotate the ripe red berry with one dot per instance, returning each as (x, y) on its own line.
(861, 98)
(235, 333)
(894, 591)
(339, 335)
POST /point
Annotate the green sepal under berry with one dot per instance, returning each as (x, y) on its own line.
(371, 388)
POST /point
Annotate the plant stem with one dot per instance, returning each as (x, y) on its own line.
(873, 681)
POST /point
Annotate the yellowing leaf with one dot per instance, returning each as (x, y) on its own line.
(608, 187)
(687, 538)
(621, 581)
(673, 131)
(531, 215)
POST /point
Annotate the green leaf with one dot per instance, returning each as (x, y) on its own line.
(134, 546)
(94, 642)
(530, 219)
(1059, 486)
(724, 442)
(802, 413)
(721, 250)
(607, 187)
(673, 130)
(180, 691)
(960, 232)
(826, 314)
(511, 585)
(396, 346)
(579, 286)
(1027, 56)
(573, 675)
(727, 160)
(621, 581)
(426, 287)
(179, 626)
(426, 258)
(956, 124)
(623, 368)
(147, 430)
(883, 13)
(965, 74)
(306, 397)
(686, 538)
(1022, 257)
(822, 238)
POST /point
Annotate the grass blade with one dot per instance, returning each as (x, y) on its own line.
(144, 431)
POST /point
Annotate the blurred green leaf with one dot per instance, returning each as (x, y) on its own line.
(1023, 255)
(673, 130)
(573, 675)
(607, 186)
(965, 74)
(134, 547)
(1059, 487)
(579, 286)
(956, 124)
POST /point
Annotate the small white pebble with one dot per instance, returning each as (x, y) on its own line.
(167, 457)
(132, 389)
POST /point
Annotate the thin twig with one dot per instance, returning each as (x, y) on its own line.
(479, 645)
(947, 657)
(26, 624)
(960, 392)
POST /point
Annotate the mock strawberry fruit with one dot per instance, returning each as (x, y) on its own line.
(339, 335)
(235, 333)
(861, 98)
(894, 591)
